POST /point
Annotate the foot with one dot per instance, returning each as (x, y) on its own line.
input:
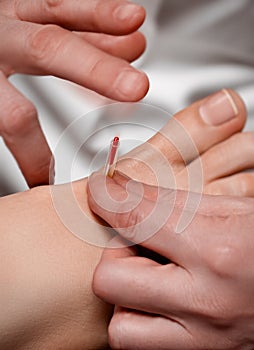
(202, 149)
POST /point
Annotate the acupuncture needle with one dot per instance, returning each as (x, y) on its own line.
(112, 157)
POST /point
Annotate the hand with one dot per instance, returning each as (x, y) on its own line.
(203, 298)
(54, 37)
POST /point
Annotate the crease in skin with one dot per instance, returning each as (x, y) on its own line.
(230, 212)
(175, 320)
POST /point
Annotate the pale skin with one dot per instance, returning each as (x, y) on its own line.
(203, 298)
(42, 37)
(47, 301)
(46, 296)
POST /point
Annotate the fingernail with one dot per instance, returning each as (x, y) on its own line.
(218, 108)
(129, 82)
(126, 11)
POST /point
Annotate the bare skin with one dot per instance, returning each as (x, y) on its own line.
(188, 151)
(203, 297)
(47, 301)
(43, 38)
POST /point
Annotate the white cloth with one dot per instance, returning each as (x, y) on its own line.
(194, 47)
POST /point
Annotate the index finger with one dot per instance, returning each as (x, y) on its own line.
(107, 16)
(150, 222)
(51, 50)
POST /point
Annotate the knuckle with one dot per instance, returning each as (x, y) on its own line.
(96, 66)
(49, 4)
(214, 305)
(44, 43)
(220, 310)
(19, 118)
(52, 7)
(223, 260)
(221, 315)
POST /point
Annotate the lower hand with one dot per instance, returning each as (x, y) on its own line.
(203, 298)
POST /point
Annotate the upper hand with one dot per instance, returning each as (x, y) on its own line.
(50, 37)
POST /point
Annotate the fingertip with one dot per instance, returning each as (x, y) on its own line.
(128, 47)
(141, 44)
(130, 16)
(131, 85)
(142, 88)
(137, 41)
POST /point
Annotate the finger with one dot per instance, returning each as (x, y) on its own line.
(130, 329)
(51, 50)
(128, 47)
(199, 127)
(151, 223)
(20, 128)
(236, 185)
(154, 223)
(107, 16)
(115, 274)
(229, 157)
